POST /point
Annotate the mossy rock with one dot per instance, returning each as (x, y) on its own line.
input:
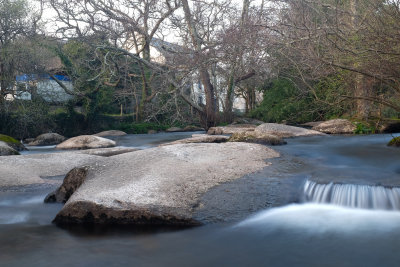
(395, 142)
(6, 150)
(12, 142)
(253, 137)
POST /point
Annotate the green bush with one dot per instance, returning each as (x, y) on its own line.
(284, 101)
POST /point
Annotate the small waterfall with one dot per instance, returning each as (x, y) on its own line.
(350, 195)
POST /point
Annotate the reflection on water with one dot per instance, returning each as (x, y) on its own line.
(296, 235)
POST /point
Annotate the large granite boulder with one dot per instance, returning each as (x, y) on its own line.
(111, 133)
(6, 150)
(258, 138)
(47, 139)
(284, 131)
(230, 129)
(86, 142)
(162, 185)
(336, 126)
(12, 142)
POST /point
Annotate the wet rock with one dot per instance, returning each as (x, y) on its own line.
(151, 132)
(258, 138)
(6, 150)
(174, 129)
(47, 139)
(72, 181)
(165, 185)
(284, 131)
(111, 133)
(336, 126)
(230, 129)
(395, 142)
(86, 142)
(12, 142)
(200, 138)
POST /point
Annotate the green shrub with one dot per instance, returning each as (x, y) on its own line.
(362, 128)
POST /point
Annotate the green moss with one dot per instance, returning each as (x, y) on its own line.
(395, 142)
(9, 140)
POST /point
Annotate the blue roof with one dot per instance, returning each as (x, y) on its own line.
(33, 77)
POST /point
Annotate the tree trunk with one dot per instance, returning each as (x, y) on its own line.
(209, 117)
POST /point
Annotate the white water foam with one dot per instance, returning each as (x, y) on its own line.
(323, 218)
(355, 196)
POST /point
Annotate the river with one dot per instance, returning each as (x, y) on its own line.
(282, 229)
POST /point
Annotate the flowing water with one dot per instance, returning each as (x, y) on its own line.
(319, 169)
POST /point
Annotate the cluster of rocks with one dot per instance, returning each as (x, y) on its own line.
(162, 185)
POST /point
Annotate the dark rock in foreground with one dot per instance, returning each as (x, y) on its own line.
(161, 185)
(72, 181)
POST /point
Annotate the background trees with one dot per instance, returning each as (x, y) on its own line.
(174, 60)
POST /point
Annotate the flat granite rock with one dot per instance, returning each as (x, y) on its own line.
(284, 131)
(159, 186)
(34, 168)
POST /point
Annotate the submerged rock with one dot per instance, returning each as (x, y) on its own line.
(230, 129)
(395, 142)
(164, 186)
(283, 131)
(258, 138)
(336, 126)
(47, 139)
(86, 142)
(12, 142)
(6, 150)
(111, 133)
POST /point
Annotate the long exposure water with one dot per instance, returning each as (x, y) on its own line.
(300, 234)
